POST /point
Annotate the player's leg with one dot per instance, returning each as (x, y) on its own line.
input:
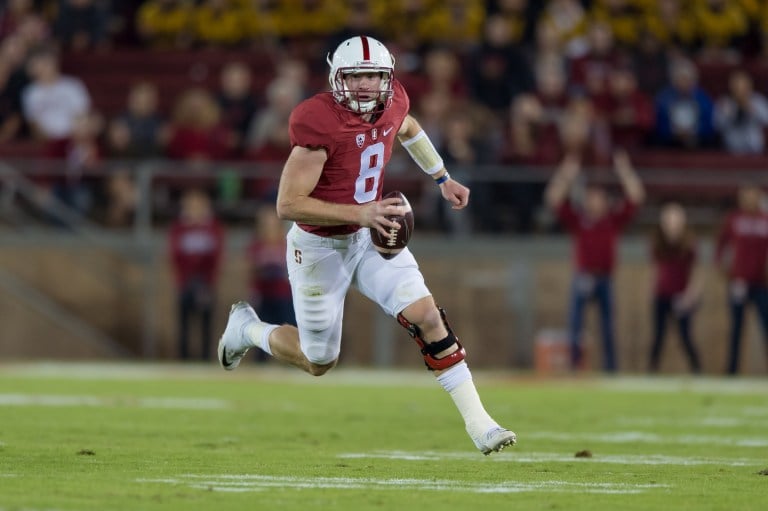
(444, 355)
(604, 295)
(319, 282)
(582, 288)
(245, 330)
(398, 287)
(206, 331)
(686, 337)
(662, 306)
(185, 304)
(737, 301)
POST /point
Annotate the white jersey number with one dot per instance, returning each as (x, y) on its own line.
(371, 163)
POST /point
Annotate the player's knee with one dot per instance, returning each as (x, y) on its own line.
(424, 314)
(441, 354)
(320, 359)
(320, 369)
(428, 319)
(431, 319)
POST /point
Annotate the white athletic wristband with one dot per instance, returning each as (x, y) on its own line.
(424, 153)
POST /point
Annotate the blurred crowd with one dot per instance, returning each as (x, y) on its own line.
(505, 82)
(499, 85)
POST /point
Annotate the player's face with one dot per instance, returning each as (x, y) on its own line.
(673, 221)
(750, 198)
(595, 202)
(366, 85)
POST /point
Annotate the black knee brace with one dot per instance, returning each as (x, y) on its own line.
(430, 349)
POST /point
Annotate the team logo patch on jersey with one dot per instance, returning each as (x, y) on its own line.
(360, 139)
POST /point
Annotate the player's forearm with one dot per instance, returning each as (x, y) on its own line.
(422, 151)
(558, 189)
(633, 187)
(311, 211)
(630, 182)
(560, 183)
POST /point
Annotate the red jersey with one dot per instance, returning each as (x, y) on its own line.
(595, 240)
(673, 271)
(357, 150)
(746, 235)
(196, 250)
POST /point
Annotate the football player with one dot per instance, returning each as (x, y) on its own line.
(331, 188)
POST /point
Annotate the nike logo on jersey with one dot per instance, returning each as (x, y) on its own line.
(386, 131)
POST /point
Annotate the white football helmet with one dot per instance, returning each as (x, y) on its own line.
(361, 54)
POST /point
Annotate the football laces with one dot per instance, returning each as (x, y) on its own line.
(392, 241)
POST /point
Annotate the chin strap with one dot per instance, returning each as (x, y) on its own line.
(430, 349)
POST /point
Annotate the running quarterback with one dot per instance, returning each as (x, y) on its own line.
(331, 188)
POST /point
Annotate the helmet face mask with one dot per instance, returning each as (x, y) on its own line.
(361, 55)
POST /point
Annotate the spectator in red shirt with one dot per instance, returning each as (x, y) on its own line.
(196, 242)
(595, 228)
(676, 293)
(742, 249)
(270, 289)
(628, 112)
(197, 131)
(589, 74)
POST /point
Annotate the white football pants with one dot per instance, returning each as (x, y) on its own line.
(321, 269)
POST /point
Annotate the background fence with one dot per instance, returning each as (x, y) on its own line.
(72, 285)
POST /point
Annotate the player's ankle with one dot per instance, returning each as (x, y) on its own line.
(257, 334)
(478, 427)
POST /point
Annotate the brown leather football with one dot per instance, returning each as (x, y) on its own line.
(389, 246)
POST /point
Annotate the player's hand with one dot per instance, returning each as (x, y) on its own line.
(374, 214)
(455, 193)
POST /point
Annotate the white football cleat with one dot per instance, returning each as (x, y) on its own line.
(495, 440)
(232, 345)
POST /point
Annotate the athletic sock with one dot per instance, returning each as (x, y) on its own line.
(457, 381)
(256, 333)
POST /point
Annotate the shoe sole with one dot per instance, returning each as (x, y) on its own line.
(500, 447)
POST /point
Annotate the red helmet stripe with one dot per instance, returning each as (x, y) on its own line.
(366, 50)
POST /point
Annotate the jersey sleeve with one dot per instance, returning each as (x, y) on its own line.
(308, 126)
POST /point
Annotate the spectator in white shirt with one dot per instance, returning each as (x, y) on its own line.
(52, 101)
(741, 116)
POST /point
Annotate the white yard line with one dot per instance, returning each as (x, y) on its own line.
(633, 437)
(257, 482)
(53, 400)
(26, 509)
(693, 422)
(755, 411)
(548, 457)
(702, 385)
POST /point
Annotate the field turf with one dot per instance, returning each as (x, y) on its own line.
(170, 437)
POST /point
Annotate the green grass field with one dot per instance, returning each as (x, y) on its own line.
(157, 437)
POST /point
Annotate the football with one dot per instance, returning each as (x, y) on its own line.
(389, 246)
